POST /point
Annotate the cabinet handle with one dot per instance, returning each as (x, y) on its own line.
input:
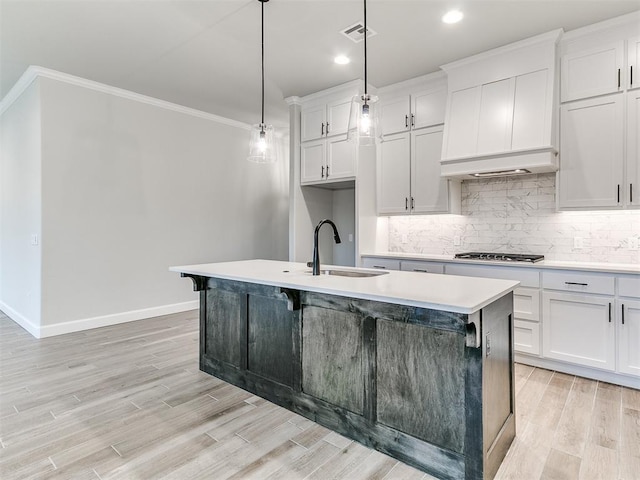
(618, 193)
(327, 128)
(631, 75)
(623, 313)
(322, 174)
(420, 270)
(380, 266)
(406, 203)
(609, 312)
(576, 283)
(413, 203)
(413, 120)
(327, 171)
(322, 129)
(631, 193)
(406, 121)
(618, 78)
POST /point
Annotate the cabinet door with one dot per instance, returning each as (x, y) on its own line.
(632, 184)
(341, 158)
(579, 329)
(428, 107)
(312, 161)
(461, 123)
(531, 120)
(592, 72)
(393, 174)
(338, 117)
(429, 191)
(633, 63)
(629, 337)
(591, 158)
(394, 115)
(496, 116)
(312, 122)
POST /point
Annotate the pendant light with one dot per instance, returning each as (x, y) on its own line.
(363, 117)
(262, 148)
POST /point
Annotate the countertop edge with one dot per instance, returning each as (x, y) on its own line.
(200, 270)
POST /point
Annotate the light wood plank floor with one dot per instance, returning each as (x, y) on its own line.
(129, 402)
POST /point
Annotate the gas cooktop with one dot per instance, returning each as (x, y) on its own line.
(500, 257)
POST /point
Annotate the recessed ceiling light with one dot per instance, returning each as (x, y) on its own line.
(341, 60)
(452, 16)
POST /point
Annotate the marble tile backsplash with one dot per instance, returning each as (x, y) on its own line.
(518, 215)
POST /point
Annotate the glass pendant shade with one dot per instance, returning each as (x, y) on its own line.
(262, 147)
(363, 120)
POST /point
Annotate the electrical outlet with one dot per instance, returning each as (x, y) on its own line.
(578, 242)
(405, 238)
(34, 239)
(633, 243)
(456, 241)
(351, 237)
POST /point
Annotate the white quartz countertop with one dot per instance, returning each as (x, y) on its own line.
(546, 264)
(450, 293)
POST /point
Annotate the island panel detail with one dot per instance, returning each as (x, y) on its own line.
(431, 388)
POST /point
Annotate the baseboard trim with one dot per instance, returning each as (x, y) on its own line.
(96, 322)
(586, 372)
(21, 320)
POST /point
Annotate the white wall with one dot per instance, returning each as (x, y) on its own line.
(20, 209)
(130, 188)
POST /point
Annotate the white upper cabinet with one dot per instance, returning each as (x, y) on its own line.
(429, 191)
(500, 112)
(591, 153)
(326, 157)
(408, 173)
(633, 62)
(591, 72)
(632, 184)
(409, 180)
(414, 104)
(600, 118)
(325, 120)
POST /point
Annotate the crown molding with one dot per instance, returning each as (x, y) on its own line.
(34, 72)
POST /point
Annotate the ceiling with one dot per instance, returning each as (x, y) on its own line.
(206, 54)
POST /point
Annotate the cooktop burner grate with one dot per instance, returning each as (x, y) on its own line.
(500, 257)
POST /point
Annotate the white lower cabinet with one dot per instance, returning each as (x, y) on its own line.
(629, 337)
(381, 263)
(579, 329)
(628, 323)
(526, 322)
(422, 267)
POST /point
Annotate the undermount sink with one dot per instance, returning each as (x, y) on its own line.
(350, 273)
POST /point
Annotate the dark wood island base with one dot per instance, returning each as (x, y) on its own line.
(433, 389)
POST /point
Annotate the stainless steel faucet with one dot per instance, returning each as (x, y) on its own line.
(316, 253)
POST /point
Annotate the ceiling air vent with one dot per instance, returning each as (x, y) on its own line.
(355, 32)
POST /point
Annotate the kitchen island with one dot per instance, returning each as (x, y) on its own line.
(418, 366)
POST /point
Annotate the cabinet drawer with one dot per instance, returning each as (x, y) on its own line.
(526, 304)
(383, 263)
(425, 267)
(528, 277)
(526, 337)
(629, 286)
(578, 282)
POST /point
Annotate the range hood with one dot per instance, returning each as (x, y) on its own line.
(539, 160)
(501, 116)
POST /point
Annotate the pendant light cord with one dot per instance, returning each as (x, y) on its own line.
(262, 60)
(365, 47)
